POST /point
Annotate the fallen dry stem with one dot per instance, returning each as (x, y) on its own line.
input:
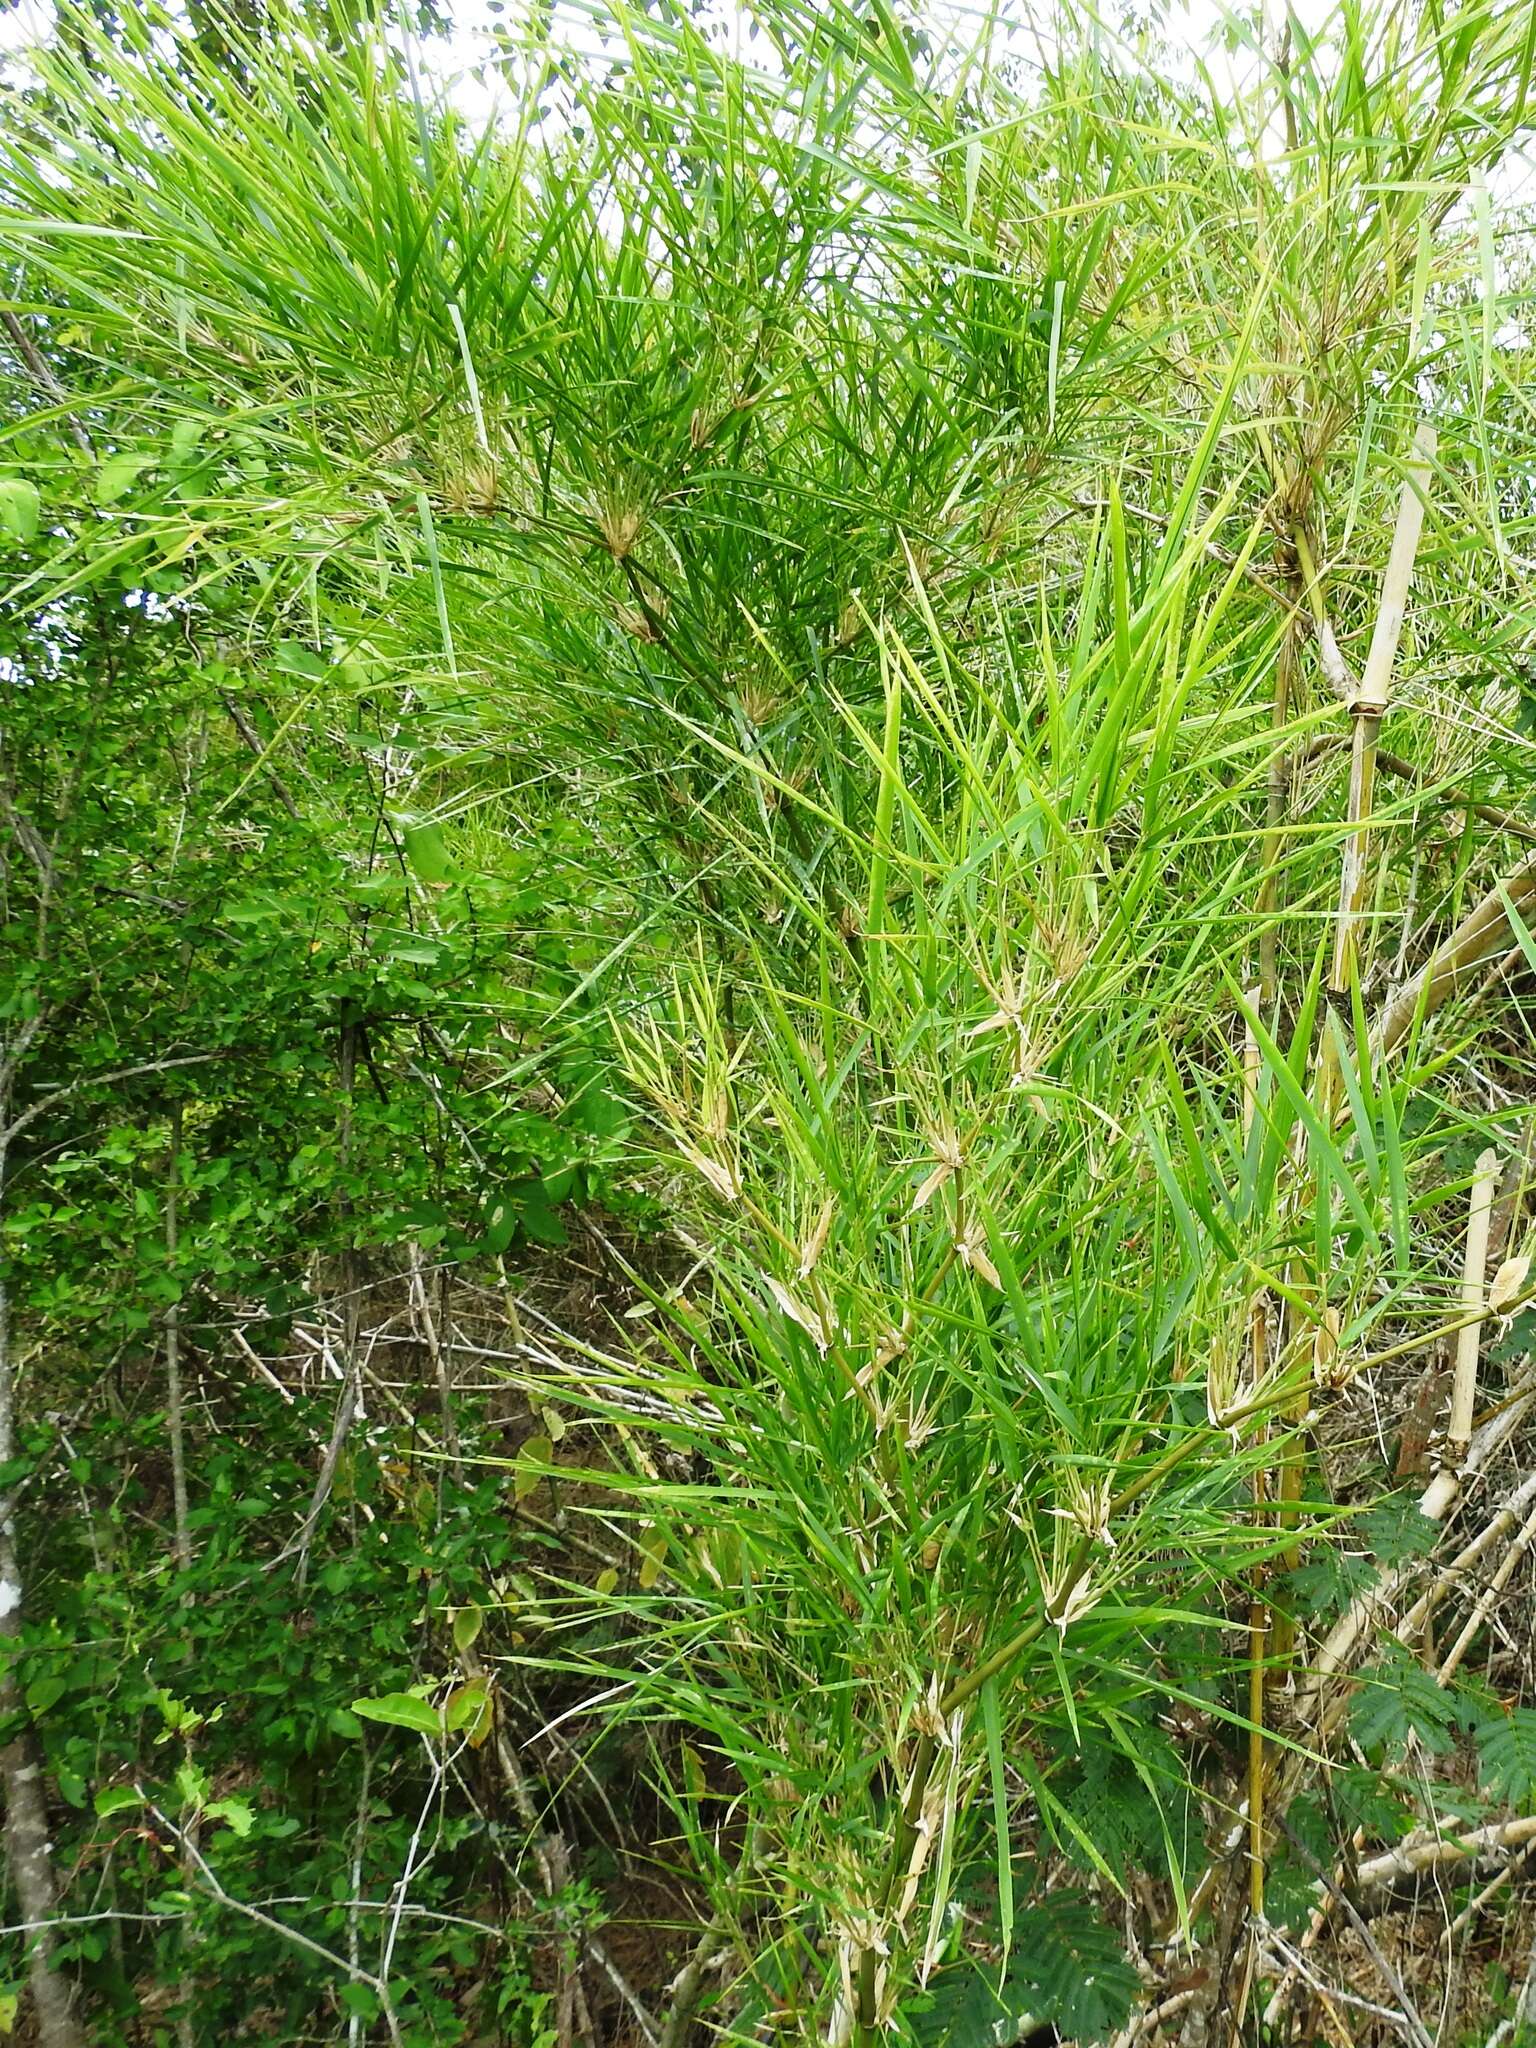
(1486, 1599)
(1408, 2012)
(1485, 931)
(1411, 1858)
(1473, 1284)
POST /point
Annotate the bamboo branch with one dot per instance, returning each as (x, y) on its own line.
(1259, 1618)
(1449, 793)
(1277, 783)
(688, 1986)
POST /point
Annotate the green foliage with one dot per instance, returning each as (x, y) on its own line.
(1506, 1750)
(1123, 1800)
(1398, 1698)
(1362, 1800)
(1066, 1970)
(220, 1710)
(1290, 1881)
(1391, 1533)
(1396, 1530)
(19, 507)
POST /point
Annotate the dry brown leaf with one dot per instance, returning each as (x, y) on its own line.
(1509, 1284)
(979, 1260)
(814, 1245)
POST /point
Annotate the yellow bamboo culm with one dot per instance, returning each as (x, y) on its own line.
(1258, 1630)
(1258, 1613)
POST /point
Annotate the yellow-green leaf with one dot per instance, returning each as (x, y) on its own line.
(469, 1711)
(653, 1548)
(532, 1465)
(693, 1772)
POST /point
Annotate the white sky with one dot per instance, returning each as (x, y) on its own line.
(1191, 29)
(461, 60)
(468, 44)
(1191, 26)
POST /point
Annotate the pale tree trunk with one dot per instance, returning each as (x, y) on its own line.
(181, 1539)
(174, 1409)
(28, 1851)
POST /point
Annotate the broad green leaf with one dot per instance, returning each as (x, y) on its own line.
(20, 507)
(115, 1799)
(118, 475)
(400, 1710)
(532, 1466)
(237, 1814)
(653, 1551)
(426, 852)
(470, 1711)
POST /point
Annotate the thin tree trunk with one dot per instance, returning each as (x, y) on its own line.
(350, 1405)
(174, 1418)
(28, 1850)
(430, 1329)
(181, 1538)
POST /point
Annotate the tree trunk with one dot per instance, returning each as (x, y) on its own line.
(28, 1850)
